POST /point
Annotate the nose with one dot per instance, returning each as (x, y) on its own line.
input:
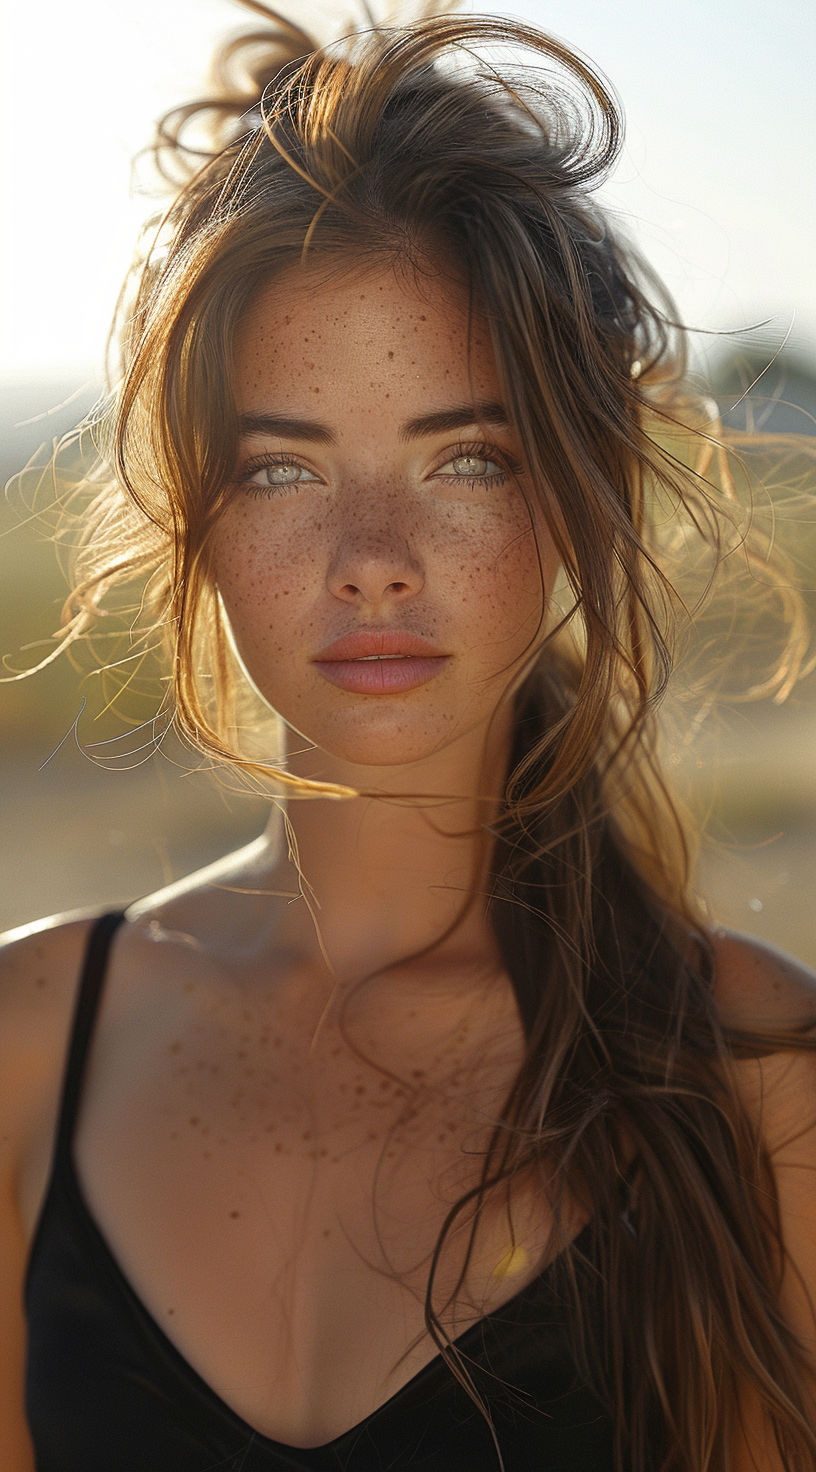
(376, 568)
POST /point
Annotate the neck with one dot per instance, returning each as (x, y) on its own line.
(392, 871)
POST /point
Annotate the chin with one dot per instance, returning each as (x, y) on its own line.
(380, 739)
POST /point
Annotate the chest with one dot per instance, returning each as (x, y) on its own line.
(276, 1199)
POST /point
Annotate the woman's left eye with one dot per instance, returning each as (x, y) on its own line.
(472, 466)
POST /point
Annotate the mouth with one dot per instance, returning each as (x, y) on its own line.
(380, 662)
(365, 644)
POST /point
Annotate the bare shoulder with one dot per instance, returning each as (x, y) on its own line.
(39, 969)
(35, 960)
(758, 985)
(760, 988)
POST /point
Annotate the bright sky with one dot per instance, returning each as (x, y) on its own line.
(717, 179)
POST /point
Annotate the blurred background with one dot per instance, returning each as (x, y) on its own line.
(715, 185)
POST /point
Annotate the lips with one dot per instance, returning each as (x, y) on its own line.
(379, 662)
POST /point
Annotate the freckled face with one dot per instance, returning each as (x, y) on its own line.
(359, 509)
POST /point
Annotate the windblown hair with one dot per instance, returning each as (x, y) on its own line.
(410, 145)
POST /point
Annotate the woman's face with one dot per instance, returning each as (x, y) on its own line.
(376, 558)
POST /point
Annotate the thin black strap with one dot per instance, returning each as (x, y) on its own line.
(85, 1010)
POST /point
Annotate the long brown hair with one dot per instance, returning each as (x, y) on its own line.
(409, 143)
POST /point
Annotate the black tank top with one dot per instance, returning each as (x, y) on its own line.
(107, 1391)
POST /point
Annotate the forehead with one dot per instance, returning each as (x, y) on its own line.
(372, 332)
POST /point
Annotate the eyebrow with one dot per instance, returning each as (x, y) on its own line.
(459, 416)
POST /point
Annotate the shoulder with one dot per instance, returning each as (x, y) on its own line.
(35, 961)
(40, 966)
(761, 989)
(757, 985)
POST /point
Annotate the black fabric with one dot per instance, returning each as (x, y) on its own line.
(106, 1390)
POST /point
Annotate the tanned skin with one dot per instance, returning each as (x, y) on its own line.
(265, 1061)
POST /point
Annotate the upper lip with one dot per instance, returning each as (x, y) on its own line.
(387, 643)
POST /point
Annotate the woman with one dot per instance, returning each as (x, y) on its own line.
(435, 1128)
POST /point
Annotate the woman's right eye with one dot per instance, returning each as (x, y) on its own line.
(275, 477)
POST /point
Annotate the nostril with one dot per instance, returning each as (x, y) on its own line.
(370, 582)
(351, 590)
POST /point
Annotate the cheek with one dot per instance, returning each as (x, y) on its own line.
(496, 574)
(264, 573)
(258, 558)
(520, 575)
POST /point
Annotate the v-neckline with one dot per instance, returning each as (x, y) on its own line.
(68, 1178)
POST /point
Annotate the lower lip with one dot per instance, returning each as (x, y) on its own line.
(381, 676)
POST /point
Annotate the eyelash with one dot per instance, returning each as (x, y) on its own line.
(477, 450)
(253, 466)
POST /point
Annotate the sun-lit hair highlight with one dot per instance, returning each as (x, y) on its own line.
(433, 147)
